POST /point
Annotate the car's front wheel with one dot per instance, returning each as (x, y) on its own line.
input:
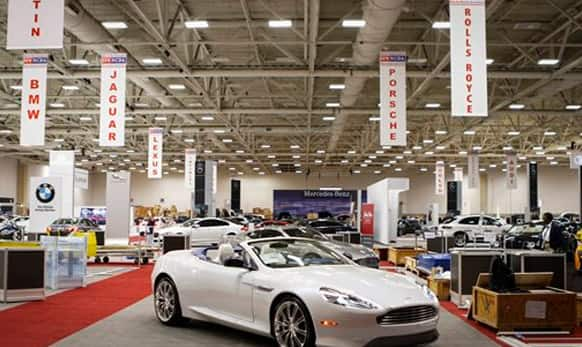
(166, 302)
(292, 325)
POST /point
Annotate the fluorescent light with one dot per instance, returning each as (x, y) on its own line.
(195, 104)
(151, 61)
(344, 161)
(432, 105)
(328, 118)
(356, 171)
(407, 152)
(177, 86)
(281, 23)
(196, 24)
(227, 140)
(548, 61)
(562, 148)
(364, 165)
(507, 148)
(189, 140)
(469, 132)
(297, 165)
(372, 156)
(317, 161)
(85, 119)
(70, 87)
(428, 141)
(540, 153)
(114, 25)
(368, 161)
(428, 153)
(517, 106)
(482, 169)
(207, 151)
(462, 152)
(176, 131)
(477, 148)
(377, 172)
(330, 188)
(239, 151)
(423, 169)
(320, 151)
(5, 131)
(16, 87)
(219, 131)
(553, 163)
(337, 86)
(411, 162)
(351, 151)
(57, 105)
(249, 161)
(379, 151)
(296, 157)
(573, 107)
(493, 166)
(397, 169)
(332, 104)
(550, 158)
(278, 171)
(207, 118)
(161, 118)
(440, 148)
(265, 146)
(549, 133)
(374, 119)
(78, 62)
(417, 148)
(256, 168)
(416, 60)
(294, 146)
(489, 61)
(59, 140)
(441, 25)
(440, 132)
(513, 133)
(140, 104)
(353, 23)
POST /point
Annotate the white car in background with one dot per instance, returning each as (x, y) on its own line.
(472, 228)
(202, 231)
(21, 222)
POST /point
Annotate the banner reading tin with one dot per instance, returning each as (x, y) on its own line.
(33, 100)
(473, 168)
(190, 168)
(155, 152)
(439, 175)
(468, 58)
(35, 24)
(392, 98)
(112, 115)
(511, 174)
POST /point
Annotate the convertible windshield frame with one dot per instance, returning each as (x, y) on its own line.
(294, 259)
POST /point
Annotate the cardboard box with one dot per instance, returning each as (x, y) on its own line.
(397, 255)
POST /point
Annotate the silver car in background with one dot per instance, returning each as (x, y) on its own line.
(357, 253)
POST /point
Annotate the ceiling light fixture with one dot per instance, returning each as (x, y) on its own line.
(177, 86)
(161, 118)
(513, 133)
(573, 107)
(337, 86)
(516, 106)
(469, 132)
(196, 24)
(489, 61)
(548, 61)
(151, 61)
(114, 25)
(374, 119)
(207, 118)
(332, 104)
(70, 87)
(328, 118)
(441, 25)
(78, 62)
(280, 23)
(432, 105)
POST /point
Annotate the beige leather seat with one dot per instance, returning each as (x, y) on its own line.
(225, 251)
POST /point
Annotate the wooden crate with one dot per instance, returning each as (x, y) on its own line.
(397, 255)
(441, 287)
(579, 308)
(539, 307)
(382, 252)
(410, 264)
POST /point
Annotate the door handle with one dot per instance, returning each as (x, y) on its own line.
(259, 287)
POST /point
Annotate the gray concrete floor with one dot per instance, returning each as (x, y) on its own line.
(137, 326)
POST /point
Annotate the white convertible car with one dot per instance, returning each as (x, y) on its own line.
(295, 290)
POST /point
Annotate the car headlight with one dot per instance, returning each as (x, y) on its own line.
(429, 294)
(347, 300)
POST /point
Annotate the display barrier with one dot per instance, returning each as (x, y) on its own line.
(66, 261)
(539, 261)
(17, 285)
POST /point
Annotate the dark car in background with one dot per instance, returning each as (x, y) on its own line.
(66, 226)
(409, 226)
(524, 236)
(326, 226)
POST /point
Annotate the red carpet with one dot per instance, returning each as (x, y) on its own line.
(45, 322)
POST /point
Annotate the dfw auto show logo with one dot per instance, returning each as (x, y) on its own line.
(45, 193)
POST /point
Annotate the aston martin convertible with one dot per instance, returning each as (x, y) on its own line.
(295, 290)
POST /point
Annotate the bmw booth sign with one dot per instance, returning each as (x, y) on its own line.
(45, 200)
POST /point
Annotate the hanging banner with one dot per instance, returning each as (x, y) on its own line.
(511, 174)
(473, 168)
(81, 178)
(155, 152)
(33, 100)
(532, 187)
(35, 24)
(439, 176)
(468, 58)
(45, 203)
(575, 160)
(112, 115)
(458, 174)
(190, 168)
(392, 98)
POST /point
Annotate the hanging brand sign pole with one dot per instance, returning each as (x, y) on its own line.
(190, 168)
(155, 152)
(473, 168)
(35, 24)
(112, 116)
(392, 98)
(33, 101)
(439, 176)
(468, 58)
(511, 174)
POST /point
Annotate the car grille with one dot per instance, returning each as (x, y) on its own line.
(368, 262)
(406, 315)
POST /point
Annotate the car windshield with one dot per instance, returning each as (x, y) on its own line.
(294, 253)
(308, 233)
(65, 221)
(525, 229)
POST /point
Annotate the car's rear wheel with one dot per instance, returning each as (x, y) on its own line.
(167, 303)
(460, 239)
(292, 325)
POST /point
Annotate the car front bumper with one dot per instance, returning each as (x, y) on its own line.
(357, 328)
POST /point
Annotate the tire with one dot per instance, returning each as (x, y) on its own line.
(460, 239)
(291, 324)
(106, 259)
(167, 302)
(97, 260)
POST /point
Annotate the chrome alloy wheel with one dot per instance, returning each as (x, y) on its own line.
(290, 325)
(165, 299)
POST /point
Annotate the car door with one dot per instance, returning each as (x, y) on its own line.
(469, 225)
(491, 228)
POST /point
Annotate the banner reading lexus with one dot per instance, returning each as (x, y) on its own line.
(439, 176)
(112, 115)
(473, 171)
(35, 24)
(511, 174)
(155, 152)
(468, 58)
(33, 100)
(392, 98)
(190, 168)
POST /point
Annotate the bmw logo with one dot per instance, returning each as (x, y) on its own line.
(45, 193)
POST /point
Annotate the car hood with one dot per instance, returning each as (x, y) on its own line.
(354, 251)
(386, 289)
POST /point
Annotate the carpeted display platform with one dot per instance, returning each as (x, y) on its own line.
(44, 322)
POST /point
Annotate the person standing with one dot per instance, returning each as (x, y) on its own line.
(552, 234)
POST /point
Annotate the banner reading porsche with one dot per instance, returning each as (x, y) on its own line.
(439, 176)
(511, 174)
(468, 58)
(33, 100)
(112, 116)
(473, 168)
(190, 168)
(392, 98)
(155, 152)
(35, 24)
